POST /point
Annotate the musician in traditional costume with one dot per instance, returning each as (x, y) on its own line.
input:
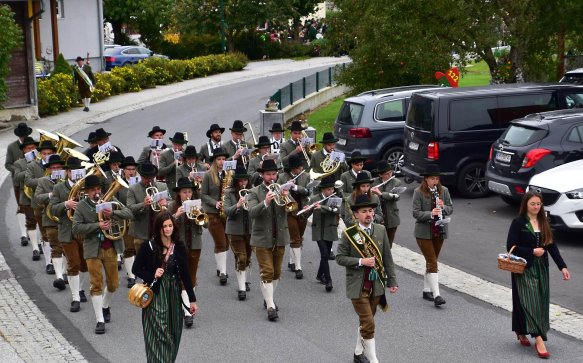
(115, 171)
(34, 172)
(214, 134)
(214, 184)
(31, 234)
(99, 251)
(328, 146)
(62, 203)
(293, 146)
(362, 185)
(150, 153)
(263, 147)
(431, 203)
(277, 138)
(15, 152)
(101, 138)
(388, 198)
(356, 167)
(238, 228)
(365, 252)
(85, 80)
(299, 193)
(190, 166)
(129, 171)
(42, 196)
(190, 232)
(171, 159)
(269, 234)
(235, 146)
(91, 140)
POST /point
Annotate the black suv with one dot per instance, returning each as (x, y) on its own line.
(531, 145)
(372, 122)
(455, 128)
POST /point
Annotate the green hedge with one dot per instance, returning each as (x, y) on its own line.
(57, 93)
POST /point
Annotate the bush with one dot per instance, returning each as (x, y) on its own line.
(61, 66)
(191, 45)
(11, 39)
(56, 94)
(132, 83)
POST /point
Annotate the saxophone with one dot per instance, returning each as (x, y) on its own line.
(225, 184)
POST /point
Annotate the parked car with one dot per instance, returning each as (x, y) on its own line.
(573, 76)
(455, 128)
(531, 145)
(129, 54)
(562, 192)
(373, 123)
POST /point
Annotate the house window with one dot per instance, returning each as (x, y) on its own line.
(60, 9)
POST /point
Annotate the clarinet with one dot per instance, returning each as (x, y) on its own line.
(437, 228)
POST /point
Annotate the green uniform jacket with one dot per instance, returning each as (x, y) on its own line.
(422, 212)
(141, 213)
(348, 216)
(324, 221)
(58, 198)
(86, 223)
(167, 168)
(210, 194)
(262, 220)
(195, 230)
(34, 172)
(348, 257)
(288, 149)
(231, 148)
(238, 221)
(13, 153)
(203, 153)
(20, 167)
(348, 178)
(254, 177)
(184, 171)
(41, 198)
(301, 182)
(391, 209)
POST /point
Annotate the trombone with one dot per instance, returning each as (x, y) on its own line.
(256, 151)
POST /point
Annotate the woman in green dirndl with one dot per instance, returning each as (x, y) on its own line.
(531, 233)
(163, 263)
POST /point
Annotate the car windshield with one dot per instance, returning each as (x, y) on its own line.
(519, 135)
(420, 115)
(350, 113)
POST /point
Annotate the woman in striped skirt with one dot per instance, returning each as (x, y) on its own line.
(531, 235)
(163, 263)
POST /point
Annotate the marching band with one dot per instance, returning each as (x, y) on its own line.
(255, 197)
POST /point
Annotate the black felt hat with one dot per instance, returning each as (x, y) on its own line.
(238, 126)
(263, 141)
(179, 138)
(128, 161)
(156, 129)
(190, 152)
(431, 170)
(182, 183)
(79, 58)
(147, 169)
(268, 165)
(328, 138)
(240, 173)
(46, 144)
(53, 160)
(22, 130)
(101, 134)
(92, 181)
(294, 161)
(73, 163)
(362, 178)
(383, 166)
(356, 157)
(362, 201)
(214, 127)
(27, 141)
(115, 157)
(276, 127)
(296, 126)
(219, 152)
(91, 138)
(327, 182)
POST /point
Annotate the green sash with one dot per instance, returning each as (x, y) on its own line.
(84, 76)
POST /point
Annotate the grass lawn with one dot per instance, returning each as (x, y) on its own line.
(322, 118)
(477, 74)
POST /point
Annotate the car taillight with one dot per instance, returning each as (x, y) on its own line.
(491, 148)
(518, 189)
(533, 156)
(360, 133)
(433, 150)
(110, 59)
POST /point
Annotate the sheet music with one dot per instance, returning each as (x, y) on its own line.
(134, 180)
(334, 202)
(161, 195)
(337, 156)
(199, 174)
(57, 174)
(177, 155)
(77, 174)
(230, 165)
(105, 147)
(189, 204)
(31, 155)
(246, 151)
(307, 140)
(156, 143)
(102, 206)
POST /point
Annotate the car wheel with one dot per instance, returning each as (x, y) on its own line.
(472, 181)
(394, 156)
(510, 201)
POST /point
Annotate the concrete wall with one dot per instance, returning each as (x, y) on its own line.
(313, 100)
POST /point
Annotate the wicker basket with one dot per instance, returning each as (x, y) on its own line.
(509, 265)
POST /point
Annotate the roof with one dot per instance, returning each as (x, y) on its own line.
(559, 117)
(497, 89)
(391, 92)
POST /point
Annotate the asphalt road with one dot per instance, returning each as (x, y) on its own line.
(314, 325)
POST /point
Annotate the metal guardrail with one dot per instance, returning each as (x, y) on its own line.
(297, 90)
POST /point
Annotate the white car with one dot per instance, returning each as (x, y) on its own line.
(562, 191)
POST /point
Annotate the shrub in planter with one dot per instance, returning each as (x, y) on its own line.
(131, 83)
(102, 88)
(146, 76)
(116, 83)
(159, 66)
(56, 94)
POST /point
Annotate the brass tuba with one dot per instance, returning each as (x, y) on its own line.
(118, 228)
(66, 143)
(77, 191)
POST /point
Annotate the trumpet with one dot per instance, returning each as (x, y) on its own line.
(282, 200)
(199, 217)
(243, 194)
(151, 192)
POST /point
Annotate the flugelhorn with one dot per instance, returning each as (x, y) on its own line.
(282, 200)
(243, 194)
(199, 217)
(151, 192)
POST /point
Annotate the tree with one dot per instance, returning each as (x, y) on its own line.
(11, 39)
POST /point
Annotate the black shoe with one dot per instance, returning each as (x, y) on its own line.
(242, 295)
(272, 314)
(100, 328)
(223, 279)
(35, 255)
(131, 282)
(329, 286)
(438, 301)
(82, 296)
(292, 267)
(119, 265)
(427, 296)
(299, 274)
(86, 109)
(321, 279)
(361, 358)
(66, 279)
(50, 269)
(75, 306)
(218, 273)
(188, 321)
(24, 241)
(106, 314)
(59, 284)
(265, 306)
(332, 256)
(40, 249)
(247, 286)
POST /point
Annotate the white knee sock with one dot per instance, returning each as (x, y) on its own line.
(434, 283)
(58, 265)
(291, 255)
(370, 350)
(359, 344)
(21, 218)
(240, 279)
(275, 282)
(426, 285)
(217, 260)
(74, 286)
(107, 296)
(33, 235)
(297, 252)
(186, 302)
(221, 262)
(267, 292)
(46, 246)
(97, 307)
(128, 263)
(88, 101)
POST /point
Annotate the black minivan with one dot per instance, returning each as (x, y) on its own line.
(455, 128)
